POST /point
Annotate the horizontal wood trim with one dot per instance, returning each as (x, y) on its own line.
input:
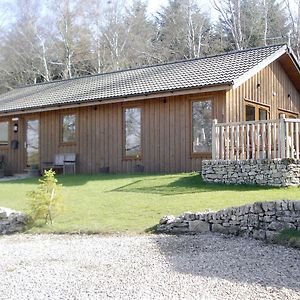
(140, 158)
(281, 110)
(68, 143)
(201, 154)
(257, 103)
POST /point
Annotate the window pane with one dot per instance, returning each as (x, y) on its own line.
(3, 133)
(133, 132)
(202, 125)
(263, 114)
(32, 139)
(69, 128)
(250, 113)
(288, 115)
(291, 116)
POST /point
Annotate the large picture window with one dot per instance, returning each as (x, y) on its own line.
(4, 133)
(201, 126)
(132, 131)
(68, 123)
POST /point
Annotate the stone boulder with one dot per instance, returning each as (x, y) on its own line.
(12, 221)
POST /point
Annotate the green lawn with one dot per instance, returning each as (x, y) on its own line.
(113, 203)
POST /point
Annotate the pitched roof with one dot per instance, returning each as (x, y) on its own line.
(221, 69)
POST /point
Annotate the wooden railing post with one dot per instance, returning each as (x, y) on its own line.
(282, 136)
(297, 139)
(214, 139)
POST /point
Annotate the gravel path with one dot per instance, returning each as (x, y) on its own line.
(146, 267)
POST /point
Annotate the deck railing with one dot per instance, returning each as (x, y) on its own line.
(269, 139)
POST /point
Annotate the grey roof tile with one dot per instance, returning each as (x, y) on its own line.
(196, 73)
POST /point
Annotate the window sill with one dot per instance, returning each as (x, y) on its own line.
(201, 155)
(67, 143)
(132, 158)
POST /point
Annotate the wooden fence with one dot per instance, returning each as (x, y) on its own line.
(269, 139)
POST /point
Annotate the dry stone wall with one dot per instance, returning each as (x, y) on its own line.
(12, 221)
(277, 172)
(261, 220)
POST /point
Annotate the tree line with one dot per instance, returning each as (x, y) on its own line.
(48, 40)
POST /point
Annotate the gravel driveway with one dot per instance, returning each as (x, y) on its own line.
(146, 267)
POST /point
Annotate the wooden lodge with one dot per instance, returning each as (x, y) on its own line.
(157, 119)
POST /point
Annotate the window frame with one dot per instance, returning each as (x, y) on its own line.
(288, 113)
(61, 117)
(5, 146)
(199, 99)
(132, 157)
(257, 107)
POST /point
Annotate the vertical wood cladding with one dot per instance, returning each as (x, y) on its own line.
(166, 127)
(166, 135)
(270, 86)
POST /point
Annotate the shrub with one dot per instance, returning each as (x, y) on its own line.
(46, 202)
(289, 237)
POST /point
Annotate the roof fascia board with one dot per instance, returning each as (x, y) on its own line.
(293, 58)
(217, 88)
(242, 79)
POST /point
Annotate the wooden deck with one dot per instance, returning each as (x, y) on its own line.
(269, 139)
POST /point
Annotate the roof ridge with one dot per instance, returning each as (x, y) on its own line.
(151, 66)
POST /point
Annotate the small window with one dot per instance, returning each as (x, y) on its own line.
(3, 133)
(68, 128)
(133, 129)
(288, 114)
(256, 112)
(201, 126)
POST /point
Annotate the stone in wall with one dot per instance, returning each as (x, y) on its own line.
(276, 172)
(12, 221)
(260, 220)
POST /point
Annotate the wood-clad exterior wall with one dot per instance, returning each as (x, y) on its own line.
(166, 135)
(166, 126)
(270, 86)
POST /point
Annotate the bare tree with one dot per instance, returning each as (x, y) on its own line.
(182, 30)
(293, 8)
(266, 11)
(251, 23)
(230, 14)
(23, 48)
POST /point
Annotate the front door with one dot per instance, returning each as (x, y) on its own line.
(32, 142)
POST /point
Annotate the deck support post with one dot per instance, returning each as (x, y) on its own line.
(214, 139)
(282, 137)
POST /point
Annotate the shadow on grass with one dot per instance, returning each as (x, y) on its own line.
(183, 185)
(165, 185)
(78, 179)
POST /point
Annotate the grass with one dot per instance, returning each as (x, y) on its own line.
(290, 237)
(134, 203)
